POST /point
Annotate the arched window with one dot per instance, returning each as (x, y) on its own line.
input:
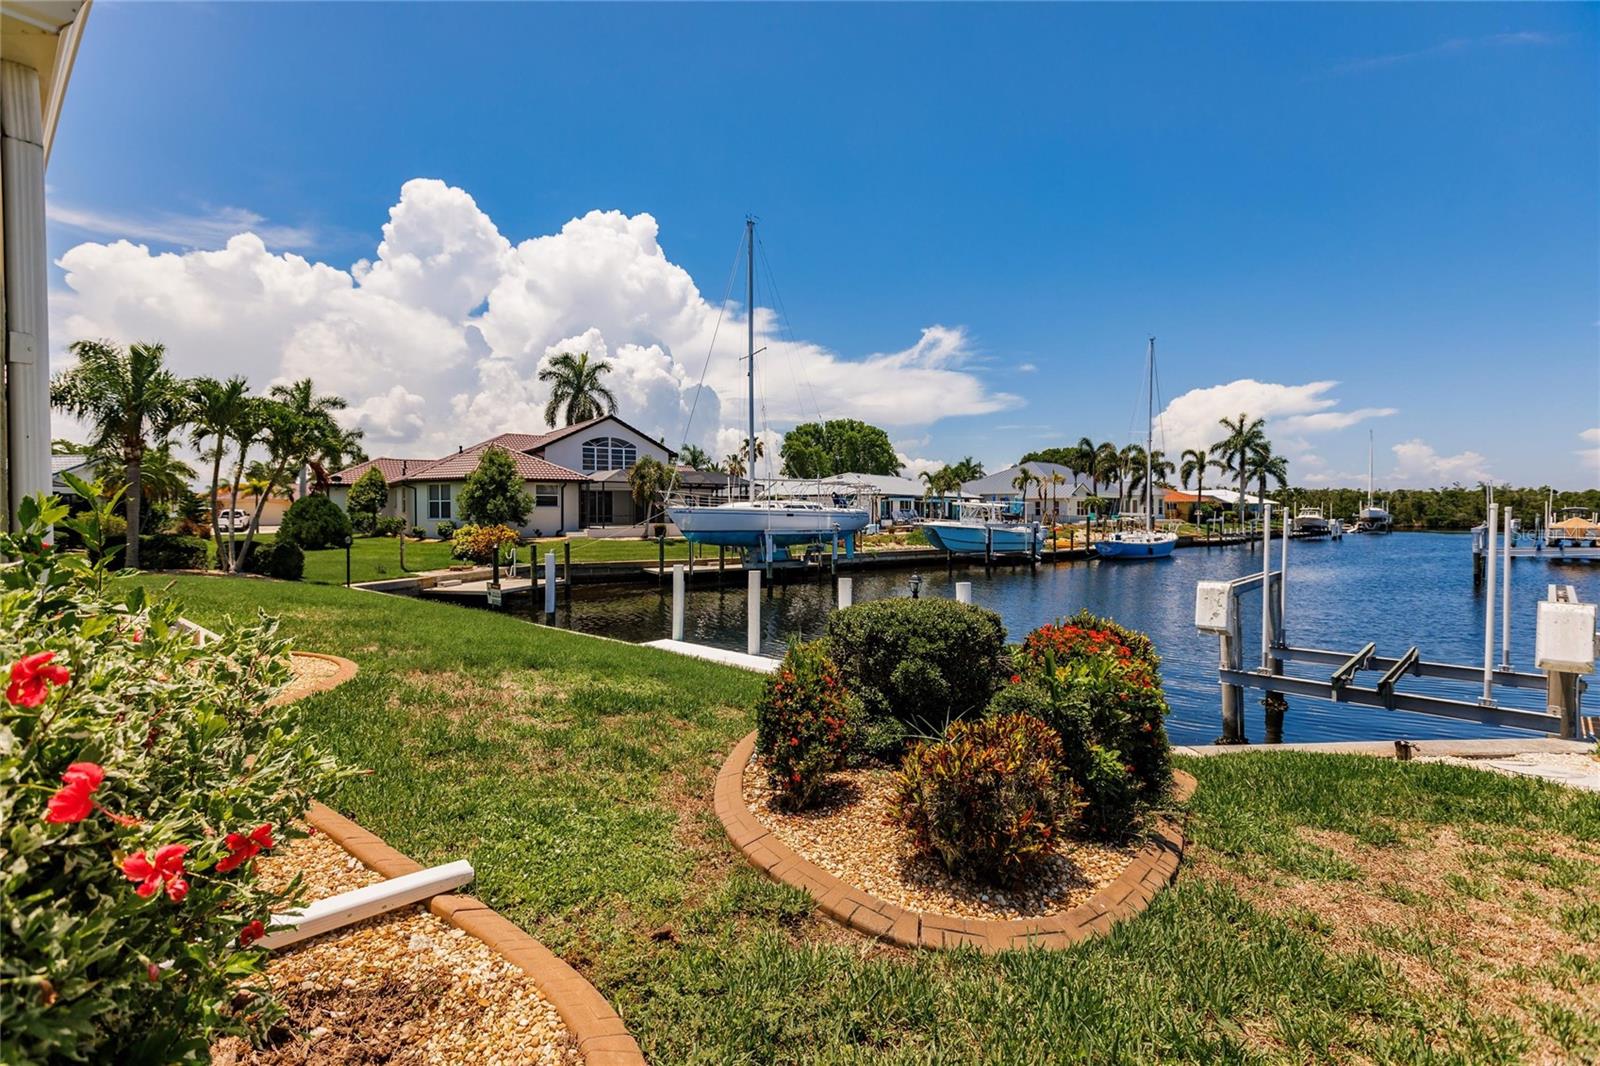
(608, 453)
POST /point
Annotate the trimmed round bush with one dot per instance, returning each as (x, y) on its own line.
(314, 522)
(387, 525)
(920, 663)
(805, 724)
(989, 800)
(445, 529)
(282, 560)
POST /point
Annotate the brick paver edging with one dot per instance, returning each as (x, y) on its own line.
(1152, 868)
(346, 670)
(601, 1035)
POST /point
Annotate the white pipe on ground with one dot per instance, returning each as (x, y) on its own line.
(1266, 585)
(963, 592)
(346, 908)
(752, 637)
(846, 592)
(677, 601)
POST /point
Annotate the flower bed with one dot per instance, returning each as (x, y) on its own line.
(1152, 867)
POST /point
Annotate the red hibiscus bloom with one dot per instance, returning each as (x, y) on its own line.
(74, 801)
(1016, 679)
(31, 678)
(242, 848)
(164, 870)
(251, 933)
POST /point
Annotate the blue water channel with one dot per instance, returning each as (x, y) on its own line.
(1400, 590)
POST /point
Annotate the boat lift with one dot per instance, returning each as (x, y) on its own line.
(1565, 648)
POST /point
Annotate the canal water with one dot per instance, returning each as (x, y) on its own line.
(1397, 590)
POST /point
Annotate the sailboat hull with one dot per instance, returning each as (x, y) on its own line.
(1133, 549)
(753, 527)
(971, 539)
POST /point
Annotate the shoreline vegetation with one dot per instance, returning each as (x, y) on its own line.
(1329, 907)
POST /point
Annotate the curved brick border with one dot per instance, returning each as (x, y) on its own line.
(346, 670)
(602, 1037)
(1152, 868)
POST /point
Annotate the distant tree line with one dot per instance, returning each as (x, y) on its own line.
(1451, 507)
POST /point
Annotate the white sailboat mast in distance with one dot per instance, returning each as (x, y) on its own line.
(755, 523)
(1146, 543)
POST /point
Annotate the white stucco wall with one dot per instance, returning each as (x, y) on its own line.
(568, 452)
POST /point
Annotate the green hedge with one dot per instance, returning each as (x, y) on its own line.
(314, 522)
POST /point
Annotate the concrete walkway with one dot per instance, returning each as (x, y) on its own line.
(761, 664)
(1566, 762)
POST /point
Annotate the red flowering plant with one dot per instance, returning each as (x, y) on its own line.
(140, 773)
(806, 724)
(1098, 684)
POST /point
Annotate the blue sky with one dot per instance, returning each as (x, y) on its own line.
(1402, 200)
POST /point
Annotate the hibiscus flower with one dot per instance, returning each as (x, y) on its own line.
(74, 801)
(31, 678)
(162, 871)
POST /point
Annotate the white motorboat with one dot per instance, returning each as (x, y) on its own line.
(764, 525)
(981, 529)
(1310, 522)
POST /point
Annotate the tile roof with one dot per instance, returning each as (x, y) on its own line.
(456, 467)
(390, 469)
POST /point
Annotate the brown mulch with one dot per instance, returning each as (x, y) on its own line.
(852, 836)
(405, 987)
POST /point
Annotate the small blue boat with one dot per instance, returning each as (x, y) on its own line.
(1136, 544)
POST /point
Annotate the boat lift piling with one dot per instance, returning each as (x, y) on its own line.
(1565, 644)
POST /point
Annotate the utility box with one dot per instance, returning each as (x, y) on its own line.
(1564, 638)
(1213, 607)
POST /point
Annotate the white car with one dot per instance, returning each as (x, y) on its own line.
(233, 521)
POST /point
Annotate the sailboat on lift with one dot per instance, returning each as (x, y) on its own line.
(765, 525)
(1372, 519)
(1149, 542)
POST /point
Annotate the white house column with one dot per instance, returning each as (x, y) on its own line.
(27, 342)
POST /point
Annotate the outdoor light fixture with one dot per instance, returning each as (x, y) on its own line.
(347, 540)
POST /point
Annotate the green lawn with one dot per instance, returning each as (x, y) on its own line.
(372, 558)
(1330, 908)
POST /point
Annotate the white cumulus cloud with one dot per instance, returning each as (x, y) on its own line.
(1292, 412)
(1419, 465)
(437, 340)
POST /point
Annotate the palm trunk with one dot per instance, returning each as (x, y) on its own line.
(233, 505)
(131, 504)
(261, 505)
(216, 477)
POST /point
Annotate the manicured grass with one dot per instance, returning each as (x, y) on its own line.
(620, 549)
(1330, 908)
(372, 558)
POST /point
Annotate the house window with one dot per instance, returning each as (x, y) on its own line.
(547, 495)
(439, 501)
(608, 453)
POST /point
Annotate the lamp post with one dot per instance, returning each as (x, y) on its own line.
(347, 540)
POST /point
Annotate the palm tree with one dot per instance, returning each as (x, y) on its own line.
(164, 478)
(695, 457)
(968, 469)
(217, 410)
(340, 449)
(296, 424)
(1057, 479)
(648, 482)
(1244, 436)
(1024, 478)
(1264, 466)
(733, 466)
(127, 396)
(1160, 470)
(576, 391)
(1129, 459)
(1107, 466)
(1195, 462)
(1082, 462)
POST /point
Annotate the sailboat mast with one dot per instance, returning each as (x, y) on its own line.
(1149, 437)
(1369, 468)
(750, 346)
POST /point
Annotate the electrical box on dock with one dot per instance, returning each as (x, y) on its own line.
(1213, 607)
(1564, 637)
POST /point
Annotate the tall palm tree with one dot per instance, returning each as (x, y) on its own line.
(1244, 435)
(1264, 466)
(733, 466)
(694, 457)
(1129, 459)
(1160, 469)
(968, 469)
(217, 410)
(576, 392)
(1082, 462)
(127, 396)
(649, 481)
(1024, 478)
(341, 448)
(1193, 465)
(297, 424)
(1107, 466)
(1057, 479)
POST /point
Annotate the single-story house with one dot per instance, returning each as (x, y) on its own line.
(577, 476)
(1181, 506)
(1064, 502)
(78, 465)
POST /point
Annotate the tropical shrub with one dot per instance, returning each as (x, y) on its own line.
(170, 551)
(919, 663)
(479, 543)
(314, 522)
(281, 559)
(368, 496)
(417, 533)
(363, 523)
(989, 799)
(805, 724)
(1117, 672)
(444, 530)
(139, 774)
(387, 525)
(494, 493)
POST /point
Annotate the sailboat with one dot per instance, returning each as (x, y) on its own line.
(1372, 518)
(1149, 542)
(765, 525)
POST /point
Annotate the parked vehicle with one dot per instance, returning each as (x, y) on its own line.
(234, 521)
